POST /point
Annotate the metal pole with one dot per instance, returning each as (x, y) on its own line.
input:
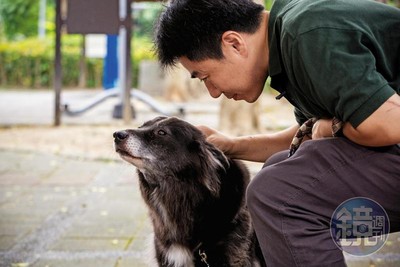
(128, 108)
(42, 19)
(57, 66)
(124, 60)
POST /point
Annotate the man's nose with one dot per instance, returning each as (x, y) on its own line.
(213, 91)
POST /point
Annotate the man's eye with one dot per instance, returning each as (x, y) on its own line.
(161, 132)
(203, 80)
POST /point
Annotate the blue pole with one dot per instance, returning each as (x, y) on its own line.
(110, 69)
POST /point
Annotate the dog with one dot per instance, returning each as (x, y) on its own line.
(194, 193)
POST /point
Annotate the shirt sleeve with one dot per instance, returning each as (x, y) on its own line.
(300, 117)
(337, 69)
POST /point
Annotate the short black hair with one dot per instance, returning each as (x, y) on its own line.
(193, 28)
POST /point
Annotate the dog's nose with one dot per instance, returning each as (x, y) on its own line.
(121, 135)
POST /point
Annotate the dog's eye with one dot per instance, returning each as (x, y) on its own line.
(161, 132)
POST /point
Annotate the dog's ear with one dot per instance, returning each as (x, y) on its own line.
(213, 164)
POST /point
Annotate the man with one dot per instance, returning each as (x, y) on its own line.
(334, 60)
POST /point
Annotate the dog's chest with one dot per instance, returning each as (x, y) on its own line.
(178, 255)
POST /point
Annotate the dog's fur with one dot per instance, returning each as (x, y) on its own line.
(195, 195)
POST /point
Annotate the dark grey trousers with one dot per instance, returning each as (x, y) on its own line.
(291, 200)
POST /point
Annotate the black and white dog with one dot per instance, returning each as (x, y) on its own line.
(195, 195)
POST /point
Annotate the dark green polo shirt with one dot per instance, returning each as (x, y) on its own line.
(334, 58)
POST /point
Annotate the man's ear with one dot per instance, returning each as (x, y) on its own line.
(233, 41)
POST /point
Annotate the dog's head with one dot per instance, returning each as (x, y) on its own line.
(170, 147)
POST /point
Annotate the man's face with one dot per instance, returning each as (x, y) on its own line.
(235, 77)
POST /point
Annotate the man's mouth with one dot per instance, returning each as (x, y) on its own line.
(233, 96)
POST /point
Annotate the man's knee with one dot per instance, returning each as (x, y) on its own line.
(258, 190)
(261, 191)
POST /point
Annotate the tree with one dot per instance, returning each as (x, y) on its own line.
(19, 18)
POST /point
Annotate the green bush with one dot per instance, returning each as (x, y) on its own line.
(30, 63)
(141, 50)
(19, 18)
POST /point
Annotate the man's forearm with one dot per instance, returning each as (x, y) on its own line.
(260, 147)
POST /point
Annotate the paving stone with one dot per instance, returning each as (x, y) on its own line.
(89, 244)
(66, 262)
(142, 241)
(17, 168)
(132, 263)
(103, 230)
(17, 228)
(73, 173)
(121, 173)
(8, 241)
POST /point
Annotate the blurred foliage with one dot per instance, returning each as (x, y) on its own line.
(268, 4)
(30, 63)
(19, 18)
(142, 48)
(144, 14)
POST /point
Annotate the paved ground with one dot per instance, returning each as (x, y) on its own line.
(65, 211)
(66, 199)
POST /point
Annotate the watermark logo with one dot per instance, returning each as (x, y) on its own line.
(359, 226)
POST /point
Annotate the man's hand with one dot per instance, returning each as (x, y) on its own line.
(322, 128)
(218, 139)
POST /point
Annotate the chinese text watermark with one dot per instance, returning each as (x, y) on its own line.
(359, 226)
